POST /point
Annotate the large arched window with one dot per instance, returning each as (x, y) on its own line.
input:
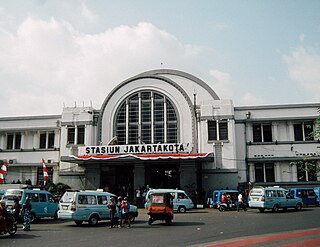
(146, 117)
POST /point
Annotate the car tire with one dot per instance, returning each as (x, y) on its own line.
(132, 218)
(93, 220)
(222, 208)
(298, 207)
(275, 208)
(182, 209)
(78, 222)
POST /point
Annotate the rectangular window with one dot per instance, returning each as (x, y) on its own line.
(264, 172)
(102, 200)
(159, 133)
(307, 172)
(302, 131)
(43, 197)
(71, 134)
(10, 141)
(51, 140)
(80, 131)
(17, 141)
(43, 140)
(146, 133)
(259, 172)
(269, 168)
(223, 130)
(212, 131)
(13, 141)
(262, 132)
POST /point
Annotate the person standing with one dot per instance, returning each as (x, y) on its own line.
(112, 210)
(125, 206)
(241, 203)
(2, 218)
(16, 208)
(26, 212)
(119, 204)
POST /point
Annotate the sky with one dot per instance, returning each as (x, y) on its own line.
(57, 53)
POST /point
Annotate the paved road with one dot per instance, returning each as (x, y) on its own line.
(199, 227)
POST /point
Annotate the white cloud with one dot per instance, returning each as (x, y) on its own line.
(250, 99)
(47, 63)
(222, 84)
(304, 67)
(87, 13)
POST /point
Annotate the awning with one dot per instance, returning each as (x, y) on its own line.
(143, 157)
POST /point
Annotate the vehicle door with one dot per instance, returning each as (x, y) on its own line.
(175, 201)
(183, 200)
(271, 198)
(86, 206)
(103, 201)
(37, 207)
(52, 205)
(282, 199)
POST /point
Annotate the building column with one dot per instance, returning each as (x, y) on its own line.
(277, 177)
(92, 175)
(138, 176)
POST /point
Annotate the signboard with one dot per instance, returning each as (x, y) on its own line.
(136, 149)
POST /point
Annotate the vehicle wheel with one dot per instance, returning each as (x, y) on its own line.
(150, 221)
(222, 208)
(55, 216)
(261, 210)
(298, 207)
(13, 230)
(275, 208)
(182, 209)
(78, 222)
(93, 220)
(132, 218)
(32, 217)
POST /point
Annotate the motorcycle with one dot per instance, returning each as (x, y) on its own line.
(11, 225)
(223, 206)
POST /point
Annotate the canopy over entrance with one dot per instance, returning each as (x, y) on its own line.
(132, 157)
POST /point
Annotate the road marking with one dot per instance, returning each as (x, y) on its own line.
(272, 238)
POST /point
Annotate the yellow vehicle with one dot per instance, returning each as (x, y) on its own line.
(161, 207)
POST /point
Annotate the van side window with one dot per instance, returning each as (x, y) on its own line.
(42, 197)
(280, 193)
(87, 199)
(34, 197)
(181, 196)
(102, 200)
(50, 198)
(271, 193)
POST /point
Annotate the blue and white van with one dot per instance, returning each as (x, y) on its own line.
(273, 198)
(89, 206)
(216, 196)
(181, 201)
(42, 201)
(307, 195)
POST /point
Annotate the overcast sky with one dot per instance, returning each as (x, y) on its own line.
(55, 53)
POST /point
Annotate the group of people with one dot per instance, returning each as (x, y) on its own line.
(240, 201)
(7, 218)
(122, 206)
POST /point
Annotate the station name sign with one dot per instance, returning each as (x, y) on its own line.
(138, 149)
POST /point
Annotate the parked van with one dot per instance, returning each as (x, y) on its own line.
(88, 206)
(181, 201)
(216, 196)
(307, 195)
(317, 191)
(43, 203)
(273, 198)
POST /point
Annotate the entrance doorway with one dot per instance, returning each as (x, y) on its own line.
(162, 176)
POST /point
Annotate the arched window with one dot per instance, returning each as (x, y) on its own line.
(146, 117)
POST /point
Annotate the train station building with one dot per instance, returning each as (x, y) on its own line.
(169, 129)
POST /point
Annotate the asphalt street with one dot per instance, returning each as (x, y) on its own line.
(198, 227)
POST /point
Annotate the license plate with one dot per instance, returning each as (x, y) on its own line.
(9, 206)
(64, 207)
(255, 199)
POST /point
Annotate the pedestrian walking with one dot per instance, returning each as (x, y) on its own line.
(119, 205)
(112, 210)
(26, 212)
(241, 203)
(125, 206)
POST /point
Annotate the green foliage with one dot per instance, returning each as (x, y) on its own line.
(58, 188)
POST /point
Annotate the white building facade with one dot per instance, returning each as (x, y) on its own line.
(164, 128)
